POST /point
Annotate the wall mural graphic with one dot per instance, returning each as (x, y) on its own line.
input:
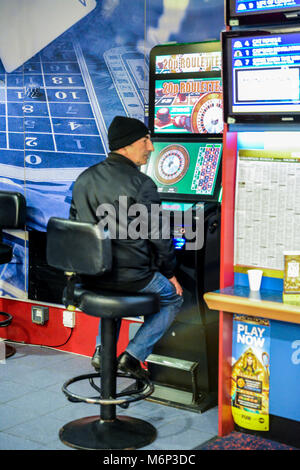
(56, 107)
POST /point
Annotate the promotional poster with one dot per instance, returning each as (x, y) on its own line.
(250, 372)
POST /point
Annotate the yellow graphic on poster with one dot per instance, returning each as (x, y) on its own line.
(250, 372)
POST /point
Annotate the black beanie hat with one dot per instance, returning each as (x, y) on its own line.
(124, 131)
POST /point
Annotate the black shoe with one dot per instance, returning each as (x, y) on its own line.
(130, 365)
(96, 359)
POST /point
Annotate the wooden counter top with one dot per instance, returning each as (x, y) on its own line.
(265, 303)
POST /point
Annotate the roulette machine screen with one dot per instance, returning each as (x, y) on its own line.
(186, 170)
(186, 95)
(188, 106)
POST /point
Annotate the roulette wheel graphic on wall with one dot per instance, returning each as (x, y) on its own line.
(172, 164)
(207, 114)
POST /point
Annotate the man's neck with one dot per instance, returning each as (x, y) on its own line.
(124, 153)
(116, 152)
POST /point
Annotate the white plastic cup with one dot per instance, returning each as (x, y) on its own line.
(254, 295)
(254, 276)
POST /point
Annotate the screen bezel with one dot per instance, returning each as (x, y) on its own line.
(278, 16)
(171, 49)
(165, 196)
(230, 117)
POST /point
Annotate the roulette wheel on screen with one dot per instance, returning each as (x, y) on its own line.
(172, 164)
(207, 114)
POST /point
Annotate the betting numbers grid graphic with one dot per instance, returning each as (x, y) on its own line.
(48, 135)
(208, 160)
(48, 124)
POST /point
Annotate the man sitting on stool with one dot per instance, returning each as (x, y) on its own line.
(112, 192)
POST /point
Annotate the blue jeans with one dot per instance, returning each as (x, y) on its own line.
(156, 324)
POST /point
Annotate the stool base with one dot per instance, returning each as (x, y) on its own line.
(91, 433)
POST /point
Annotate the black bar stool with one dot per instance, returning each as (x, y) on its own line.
(83, 248)
(12, 216)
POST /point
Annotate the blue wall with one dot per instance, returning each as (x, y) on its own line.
(94, 71)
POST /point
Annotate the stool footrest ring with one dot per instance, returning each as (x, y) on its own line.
(135, 395)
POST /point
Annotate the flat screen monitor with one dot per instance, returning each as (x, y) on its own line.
(185, 96)
(186, 171)
(251, 12)
(262, 77)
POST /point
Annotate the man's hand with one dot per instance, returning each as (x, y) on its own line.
(176, 284)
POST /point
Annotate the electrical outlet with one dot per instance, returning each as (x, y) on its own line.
(39, 315)
(69, 318)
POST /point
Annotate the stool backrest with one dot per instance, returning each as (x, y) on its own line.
(78, 247)
(12, 210)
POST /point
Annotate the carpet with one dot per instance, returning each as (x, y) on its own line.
(240, 441)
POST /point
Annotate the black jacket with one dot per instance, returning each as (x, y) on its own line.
(134, 260)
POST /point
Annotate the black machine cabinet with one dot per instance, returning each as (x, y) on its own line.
(184, 363)
(45, 283)
(186, 123)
